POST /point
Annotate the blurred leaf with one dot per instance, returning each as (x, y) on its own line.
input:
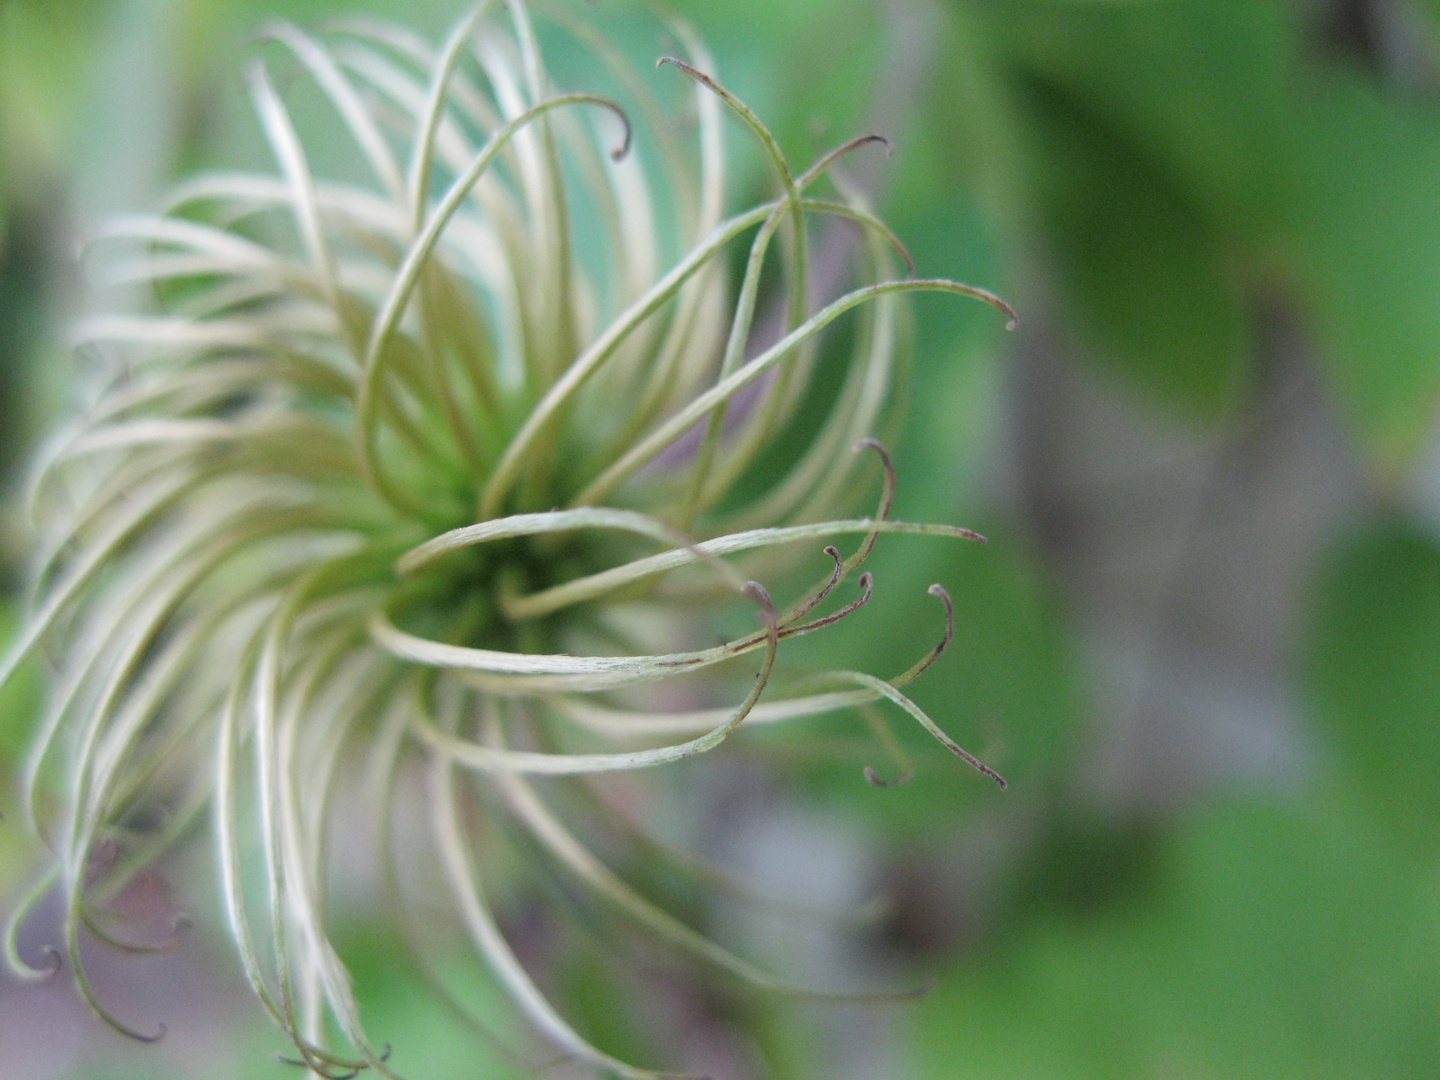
(46, 58)
(19, 706)
(599, 1004)
(1373, 677)
(1182, 155)
(1146, 135)
(1281, 942)
(19, 698)
(1147, 282)
(1367, 238)
(1200, 89)
(430, 1039)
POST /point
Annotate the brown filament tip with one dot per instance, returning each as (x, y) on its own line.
(879, 781)
(939, 590)
(834, 553)
(887, 499)
(138, 1036)
(866, 584)
(624, 148)
(761, 596)
(815, 601)
(693, 72)
(320, 1068)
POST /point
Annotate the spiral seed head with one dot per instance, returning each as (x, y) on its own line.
(420, 473)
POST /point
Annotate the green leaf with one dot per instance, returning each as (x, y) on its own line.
(1277, 942)
(1143, 149)
(1372, 676)
(1146, 280)
(1366, 235)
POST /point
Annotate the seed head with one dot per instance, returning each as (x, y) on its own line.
(420, 484)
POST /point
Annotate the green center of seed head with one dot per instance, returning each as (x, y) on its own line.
(461, 598)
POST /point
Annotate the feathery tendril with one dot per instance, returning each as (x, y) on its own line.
(425, 473)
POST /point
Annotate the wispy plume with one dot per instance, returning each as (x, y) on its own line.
(385, 482)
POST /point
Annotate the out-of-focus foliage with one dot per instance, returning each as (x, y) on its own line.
(1178, 161)
(1267, 942)
(1373, 669)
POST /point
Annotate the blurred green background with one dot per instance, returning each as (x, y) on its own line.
(1203, 642)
